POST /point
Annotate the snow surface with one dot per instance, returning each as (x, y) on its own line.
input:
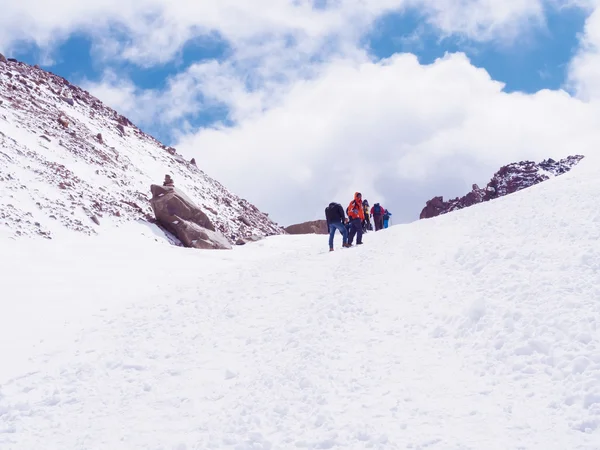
(478, 329)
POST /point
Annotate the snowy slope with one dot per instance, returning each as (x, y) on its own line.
(69, 162)
(473, 330)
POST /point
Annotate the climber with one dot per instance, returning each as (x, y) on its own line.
(377, 211)
(356, 215)
(367, 221)
(334, 213)
(386, 218)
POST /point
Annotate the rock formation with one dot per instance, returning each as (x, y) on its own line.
(248, 240)
(510, 178)
(181, 217)
(312, 227)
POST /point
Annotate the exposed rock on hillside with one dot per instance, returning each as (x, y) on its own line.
(67, 161)
(508, 179)
(248, 240)
(180, 216)
(312, 227)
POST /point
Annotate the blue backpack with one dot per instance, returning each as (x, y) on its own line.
(376, 209)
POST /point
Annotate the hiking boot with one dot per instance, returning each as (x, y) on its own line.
(346, 245)
(331, 249)
(359, 243)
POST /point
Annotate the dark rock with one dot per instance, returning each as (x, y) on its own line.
(43, 136)
(312, 227)
(245, 221)
(3, 59)
(124, 121)
(121, 129)
(248, 239)
(95, 220)
(12, 60)
(99, 137)
(176, 213)
(67, 100)
(63, 121)
(433, 207)
(193, 161)
(180, 159)
(509, 179)
(208, 208)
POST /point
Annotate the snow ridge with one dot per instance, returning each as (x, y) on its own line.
(67, 161)
(509, 179)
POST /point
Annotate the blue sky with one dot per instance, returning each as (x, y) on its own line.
(536, 60)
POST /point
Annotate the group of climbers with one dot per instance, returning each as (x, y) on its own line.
(358, 221)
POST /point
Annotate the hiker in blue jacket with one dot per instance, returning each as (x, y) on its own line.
(336, 219)
(386, 218)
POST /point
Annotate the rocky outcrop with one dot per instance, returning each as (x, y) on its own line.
(509, 179)
(180, 216)
(312, 227)
(248, 239)
(65, 157)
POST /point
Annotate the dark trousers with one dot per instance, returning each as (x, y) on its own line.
(355, 229)
(378, 222)
(367, 224)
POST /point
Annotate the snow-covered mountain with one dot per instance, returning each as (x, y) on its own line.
(509, 179)
(474, 330)
(67, 161)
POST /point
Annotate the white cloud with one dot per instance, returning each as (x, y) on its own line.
(483, 20)
(381, 127)
(153, 31)
(584, 70)
(121, 94)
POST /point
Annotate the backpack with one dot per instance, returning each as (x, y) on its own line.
(377, 209)
(332, 212)
(386, 216)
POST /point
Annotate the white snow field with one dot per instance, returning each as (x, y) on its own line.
(479, 329)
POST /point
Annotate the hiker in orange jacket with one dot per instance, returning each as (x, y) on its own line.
(356, 214)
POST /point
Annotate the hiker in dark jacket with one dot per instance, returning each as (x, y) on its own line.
(336, 219)
(367, 220)
(377, 211)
